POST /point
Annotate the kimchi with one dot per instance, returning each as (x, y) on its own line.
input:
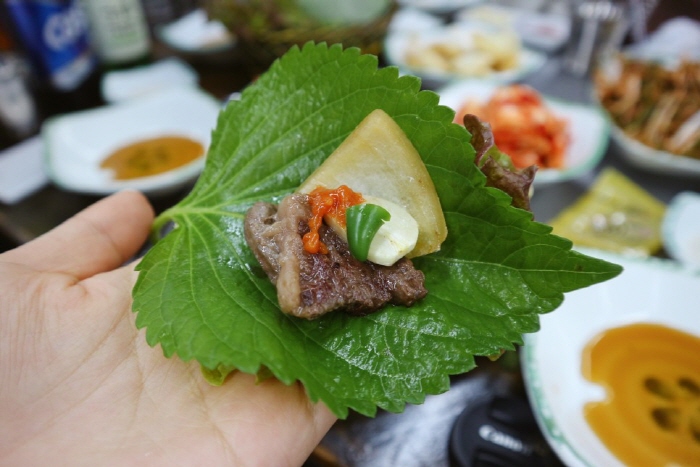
(523, 126)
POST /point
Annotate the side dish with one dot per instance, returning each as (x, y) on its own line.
(152, 156)
(656, 105)
(465, 52)
(523, 126)
(651, 412)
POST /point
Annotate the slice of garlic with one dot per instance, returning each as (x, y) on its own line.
(394, 240)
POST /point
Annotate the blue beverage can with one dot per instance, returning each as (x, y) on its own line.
(55, 35)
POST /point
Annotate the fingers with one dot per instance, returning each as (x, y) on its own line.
(98, 239)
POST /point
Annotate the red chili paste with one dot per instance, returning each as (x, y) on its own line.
(331, 202)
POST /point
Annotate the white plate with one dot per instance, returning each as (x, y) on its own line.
(653, 160)
(588, 129)
(651, 290)
(681, 229)
(134, 83)
(76, 143)
(398, 43)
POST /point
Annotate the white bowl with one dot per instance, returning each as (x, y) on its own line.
(589, 132)
(648, 290)
(654, 160)
(75, 144)
(135, 83)
(680, 229)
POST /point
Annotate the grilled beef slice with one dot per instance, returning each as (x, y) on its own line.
(310, 285)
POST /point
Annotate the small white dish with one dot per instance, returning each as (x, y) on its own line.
(398, 45)
(654, 160)
(75, 144)
(588, 131)
(123, 85)
(680, 229)
(647, 291)
(195, 33)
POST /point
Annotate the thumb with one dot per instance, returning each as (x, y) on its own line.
(97, 239)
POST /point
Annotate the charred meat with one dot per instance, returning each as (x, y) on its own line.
(310, 285)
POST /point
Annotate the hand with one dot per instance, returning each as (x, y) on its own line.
(80, 386)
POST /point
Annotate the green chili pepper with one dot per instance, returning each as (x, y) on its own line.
(362, 222)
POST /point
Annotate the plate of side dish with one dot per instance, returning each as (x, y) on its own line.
(653, 109)
(564, 139)
(155, 144)
(461, 51)
(612, 376)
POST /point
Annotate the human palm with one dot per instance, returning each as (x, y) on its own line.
(80, 386)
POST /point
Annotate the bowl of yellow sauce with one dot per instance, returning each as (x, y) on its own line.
(613, 375)
(154, 144)
(651, 412)
(152, 156)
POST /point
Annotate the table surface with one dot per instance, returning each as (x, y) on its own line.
(359, 441)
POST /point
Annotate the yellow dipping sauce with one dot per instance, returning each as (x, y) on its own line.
(651, 416)
(152, 156)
